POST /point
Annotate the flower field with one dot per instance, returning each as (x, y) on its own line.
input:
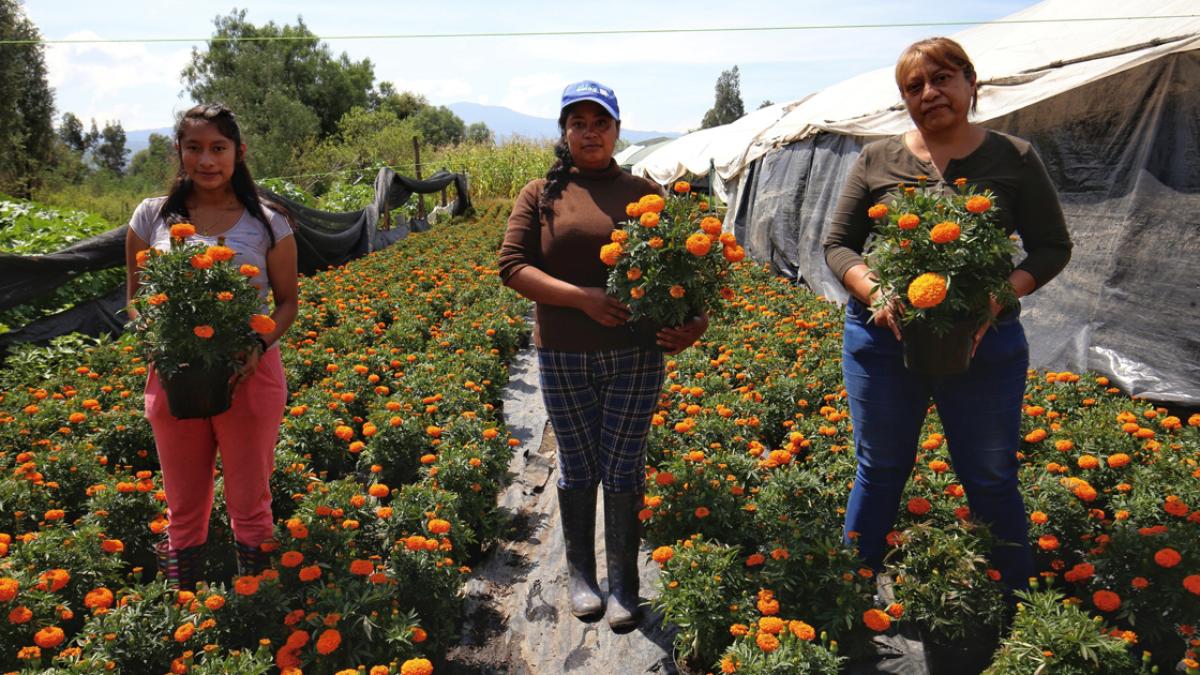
(392, 453)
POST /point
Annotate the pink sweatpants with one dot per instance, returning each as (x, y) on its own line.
(246, 435)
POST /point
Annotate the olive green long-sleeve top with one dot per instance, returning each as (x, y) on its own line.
(567, 244)
(1008, 166)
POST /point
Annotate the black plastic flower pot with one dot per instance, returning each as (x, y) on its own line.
(646, 333)
(926, 352)
(196, 392)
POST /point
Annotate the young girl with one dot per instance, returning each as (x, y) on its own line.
(215, 193)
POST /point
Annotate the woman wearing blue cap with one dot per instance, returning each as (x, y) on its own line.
(600, 387)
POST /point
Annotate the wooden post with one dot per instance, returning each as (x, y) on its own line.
(420, 197)
(443, 195)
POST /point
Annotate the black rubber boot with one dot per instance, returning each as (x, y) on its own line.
(181, 567)
(251, 560)
(622, 536)
(578, 511)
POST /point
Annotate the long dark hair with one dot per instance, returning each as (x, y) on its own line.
(175, 207)
(560, 171)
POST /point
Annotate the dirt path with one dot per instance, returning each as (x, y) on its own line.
(516, 619)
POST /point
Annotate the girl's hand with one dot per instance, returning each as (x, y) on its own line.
(887, 314)
(249, 360)
(603, 308)
(675, 340)
(996, 309)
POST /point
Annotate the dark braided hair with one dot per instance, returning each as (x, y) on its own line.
(560, 172)
(175, 206)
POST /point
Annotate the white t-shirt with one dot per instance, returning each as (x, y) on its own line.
(248, 238)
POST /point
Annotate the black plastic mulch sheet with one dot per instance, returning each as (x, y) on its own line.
(323, 239)
(1124, 153)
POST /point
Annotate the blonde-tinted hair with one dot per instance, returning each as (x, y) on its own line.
(944, 52)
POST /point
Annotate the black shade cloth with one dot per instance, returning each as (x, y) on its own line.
(323, 239)
(1124, 153)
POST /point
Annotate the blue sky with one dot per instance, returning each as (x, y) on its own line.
(664, 81)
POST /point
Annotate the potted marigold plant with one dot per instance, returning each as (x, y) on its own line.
(942, 258)
(669, 261)
(196, 313)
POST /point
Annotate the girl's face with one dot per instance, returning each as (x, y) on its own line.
(591, 135)
(937, 97)
(208, 156)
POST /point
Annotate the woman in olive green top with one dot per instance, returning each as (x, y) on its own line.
(981, 408)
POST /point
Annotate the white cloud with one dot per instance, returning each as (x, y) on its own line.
(438, 91)
(536, 94)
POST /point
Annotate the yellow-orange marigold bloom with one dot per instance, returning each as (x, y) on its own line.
(908, 221)
(1036, 436)
(141, 257)
(652, 203)
(185, 632)
(710, 225)
(1087, 462)
(610, 253)
(766, 642)
(877, 211)
(739, 630)
(802, 631)
(182, 230)
(157, 299)
(225, 296)
(633, 209)
(439, 526)
(978, 204)
(649, 219)
(219, 253)
(248, 270)
(214, 602)
(662, 554)
(927, 290)
(1038, 517)
(100, 598)
(637, 292)
(944, 233)
(682, 187)
(619, 236)
(734, 253)
(201, 261)
(699, 244)
(877, 620)
(203, 332)
(677, 291)
(1106, 601)
(729, 665)
(768, 606)
(656, 242)
(755, 559)
(49, 637)
(328, 641)
(771, 624)
(416, 667)
(262, 324)
(634, 273)
(19, 615)
(379, 490)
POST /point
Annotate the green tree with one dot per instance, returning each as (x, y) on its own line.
(479, 134)
(365, 140)
(766, 102)
(26, 105)
(402, 104)
(111, 152)
(727, 105)
(284, 84)
(72, 134)
(440, 126)
(154, 165)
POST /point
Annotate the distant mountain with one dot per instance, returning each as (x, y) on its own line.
(505, 122)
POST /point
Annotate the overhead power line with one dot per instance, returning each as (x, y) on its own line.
(602, 32)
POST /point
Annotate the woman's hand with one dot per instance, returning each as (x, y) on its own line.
(249, 364)
(603, 308)
(675, 340)
(887, 315)
(995, 308)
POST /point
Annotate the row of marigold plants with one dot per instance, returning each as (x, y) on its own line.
(390, 457)
(751, 460)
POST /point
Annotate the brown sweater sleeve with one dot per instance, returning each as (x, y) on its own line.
(1040, 222)
(849, 225)
(522, 237)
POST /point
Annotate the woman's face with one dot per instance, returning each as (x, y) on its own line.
(937, 97)
(591, 135)
(208, 156)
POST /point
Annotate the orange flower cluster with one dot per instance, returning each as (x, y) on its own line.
(928, 290)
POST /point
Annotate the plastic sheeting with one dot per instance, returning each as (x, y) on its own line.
(1124, 153)
(323, 239)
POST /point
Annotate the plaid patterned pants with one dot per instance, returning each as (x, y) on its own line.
(600, 404)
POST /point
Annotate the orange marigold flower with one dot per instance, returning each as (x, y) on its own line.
(633, 209)
(214, 602)
(291, 559)
(1039, 517)
(1106, 601)
(698, 244)
(637, 292)
(739, 630)
(141, 257)
(49, 637)
(185, 632)
(771, 624)
(157, 299)
(677, 291)
(1087, 462)
(755, 559)
(1118, 460)
(100, 598)
(734, 253)
(656, 242)
(662, 554)
(328, 641)
(877, 211)
(439, 526)
(927, 290)
(220, 253)
(682, 187)
(201, 261)
(182, 230)
(246, 585)
(710, 225)
(978, 204)
(1048, 542)
(262, 324)
(1175, 506)
(310, 573)
(1036, 436)
(944, 233)
(908, 221)
(361, 568)
(877, 620)
(416, 667)
(1167, 557)
(664, 478)
(112, 546)
(802, 631)
(766, 642)
(619, 236)
(224, 296)
(634, 273)
(919, 506)
(203, 332)
(768, 606)
(610, 253)
(248, 270)
(652, 203)
(649, 219)
(1192, 583)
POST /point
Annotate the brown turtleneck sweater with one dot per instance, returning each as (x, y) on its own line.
(567, 246)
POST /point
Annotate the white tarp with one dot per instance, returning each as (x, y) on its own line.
(1027, 57)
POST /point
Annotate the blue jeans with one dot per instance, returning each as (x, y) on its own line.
(981, 413)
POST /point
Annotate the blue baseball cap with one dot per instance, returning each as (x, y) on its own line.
(589, 90)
